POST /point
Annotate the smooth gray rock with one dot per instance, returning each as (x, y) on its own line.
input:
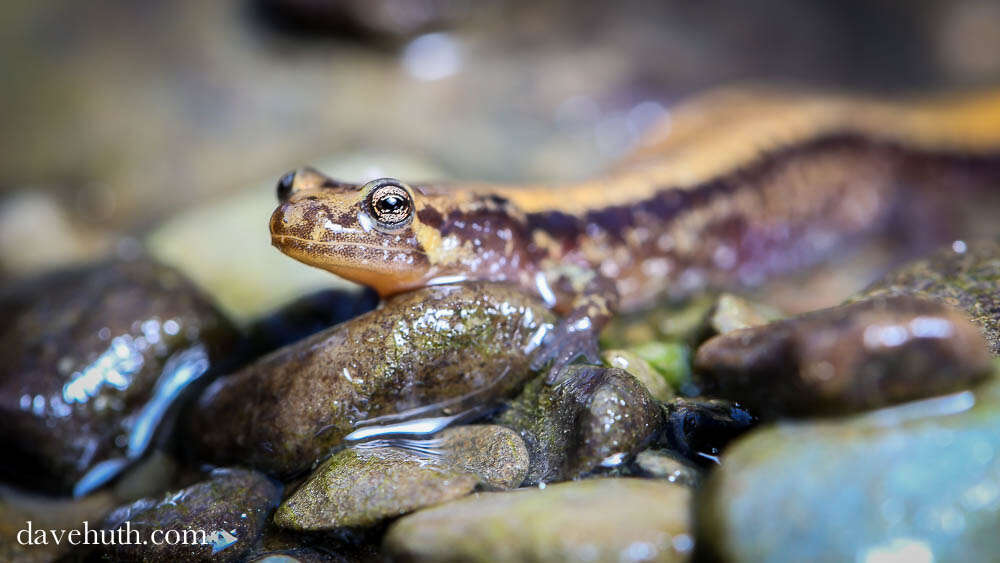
(898, 482)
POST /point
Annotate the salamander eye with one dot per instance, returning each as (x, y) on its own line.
(285, 185)
(389, 202)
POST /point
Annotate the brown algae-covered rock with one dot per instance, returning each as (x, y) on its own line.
(846, 359)
(595, 417)
(591, 520)
(965, 275)
(231, 507)
(441, 346)
(92, 359)
(365, 484)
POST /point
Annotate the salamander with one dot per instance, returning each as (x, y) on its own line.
(734, 186)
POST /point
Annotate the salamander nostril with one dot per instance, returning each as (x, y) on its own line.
(285, 184)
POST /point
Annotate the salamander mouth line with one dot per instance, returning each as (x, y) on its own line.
(282, 238)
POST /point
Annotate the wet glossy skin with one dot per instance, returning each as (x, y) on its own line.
(737, 186)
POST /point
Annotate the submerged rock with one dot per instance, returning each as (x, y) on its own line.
(231, 507)
(367, 483)
(596, 417)
(436, 349)
(846, 359)
(90, 362)
(592, 520)
(965, 275)
(917, 482)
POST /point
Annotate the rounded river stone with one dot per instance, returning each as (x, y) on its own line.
(850, 358)
(365, 484)
(915, 482)
(436, 349)
(231, 507)
(91, 360)
(592, 520)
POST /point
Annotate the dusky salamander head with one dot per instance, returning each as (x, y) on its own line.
(366, 233)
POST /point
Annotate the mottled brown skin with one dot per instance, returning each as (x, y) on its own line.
(746, 183)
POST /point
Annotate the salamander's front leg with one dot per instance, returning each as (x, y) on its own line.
(593, 300)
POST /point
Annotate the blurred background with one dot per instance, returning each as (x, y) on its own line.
(163, 125)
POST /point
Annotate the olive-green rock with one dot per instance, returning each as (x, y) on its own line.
(592, 520)
(965, 275)
(450, 345)
(365, 484)
(908, 483)
(595, 417)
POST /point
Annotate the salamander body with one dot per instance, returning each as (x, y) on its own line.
(734, 187)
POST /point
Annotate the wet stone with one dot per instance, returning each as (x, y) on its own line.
(639, 368)
(966, 276)
(915, 482)
(231, 506)
(663, 464)
(92, 360)
(698, 429)
(596, 418)
(850, 358)
(732, 312)
(591, 520)
(365, 484)
(438, 349)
